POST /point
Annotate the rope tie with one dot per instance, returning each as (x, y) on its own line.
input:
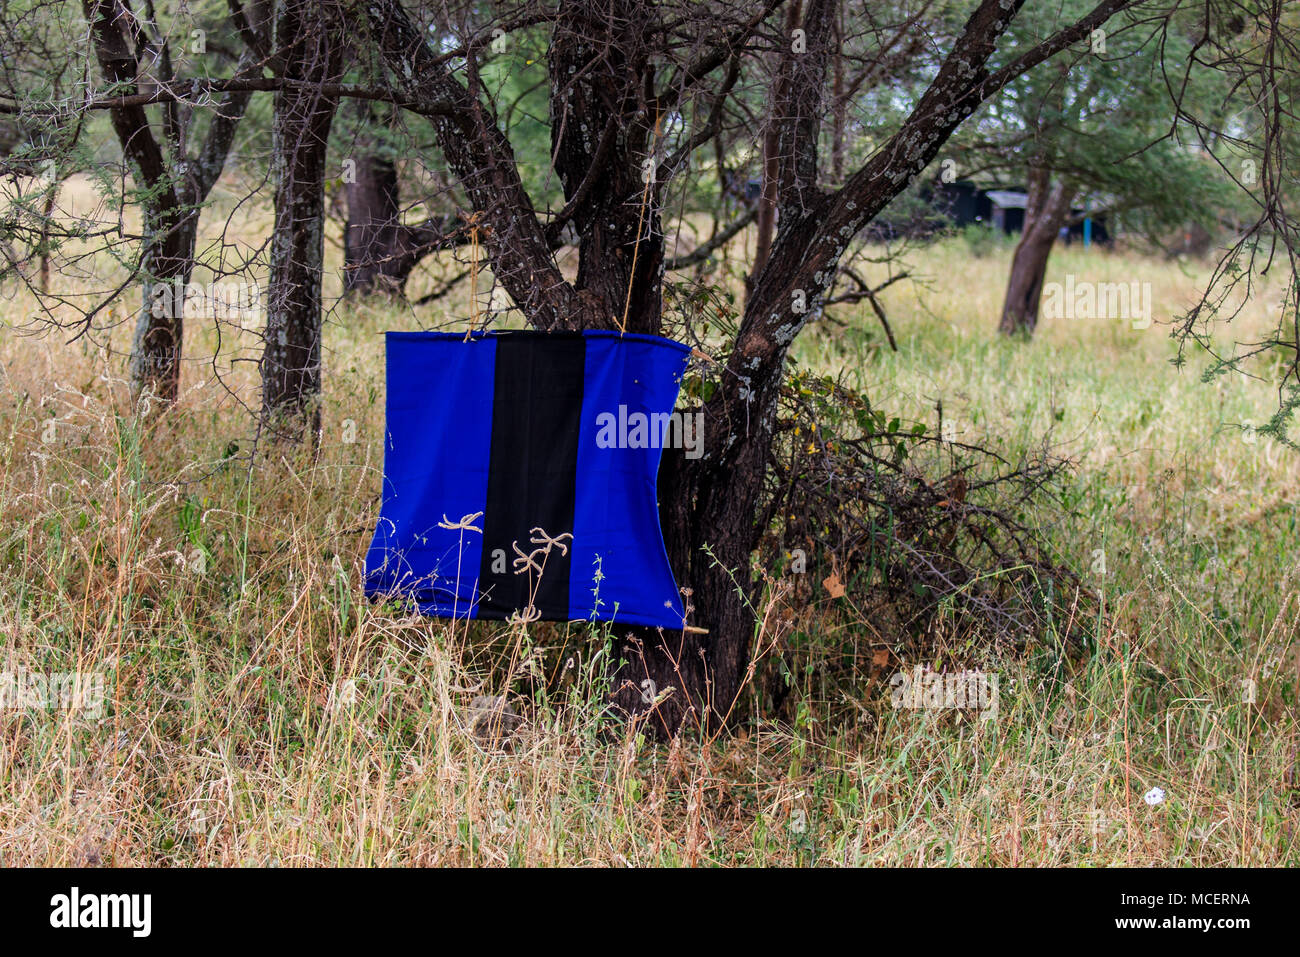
(473, 222)
(645, 199)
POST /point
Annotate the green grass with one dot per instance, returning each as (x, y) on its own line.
(262, 712)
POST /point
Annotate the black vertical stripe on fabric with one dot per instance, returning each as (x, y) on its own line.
(536, 418)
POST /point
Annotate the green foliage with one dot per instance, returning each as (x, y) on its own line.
(982, 240)
(1100, 118)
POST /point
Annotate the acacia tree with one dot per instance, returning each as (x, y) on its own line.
(380, 249)
(172, 183)
(309, 59)
(619, 83)
(1098, 125)
(637, 92)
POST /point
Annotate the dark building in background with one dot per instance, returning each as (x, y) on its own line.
(963, 204)
(939, 206)
(1007, 209)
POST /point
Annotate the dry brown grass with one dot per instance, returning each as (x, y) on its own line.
(261, 712)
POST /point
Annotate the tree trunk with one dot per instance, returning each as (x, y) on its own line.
(167, 262)
(769, 199)
(155, 366)
(291, 373)
(379, 250)
(709, 506)
(612, 180)
(372, 237)
(611, 176)
(839, 103)
(707, 515)
(174, 187)
(1046, 210)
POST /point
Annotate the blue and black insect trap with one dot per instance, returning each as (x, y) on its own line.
(519, 476)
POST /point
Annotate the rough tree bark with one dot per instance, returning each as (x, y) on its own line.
(372, 235)
(379, 250)
(308, 40)
(173, 185)
(770, 196)
(605, 136)
(1046, 209)
(839, 102)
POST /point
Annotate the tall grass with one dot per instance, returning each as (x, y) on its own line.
(262, 712)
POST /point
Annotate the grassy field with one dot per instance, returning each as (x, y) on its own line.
(260, 711)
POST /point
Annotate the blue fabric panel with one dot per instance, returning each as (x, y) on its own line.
(437, 459)
(438, 433)
(627, 380)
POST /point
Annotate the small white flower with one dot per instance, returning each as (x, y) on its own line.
(1154, 796)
